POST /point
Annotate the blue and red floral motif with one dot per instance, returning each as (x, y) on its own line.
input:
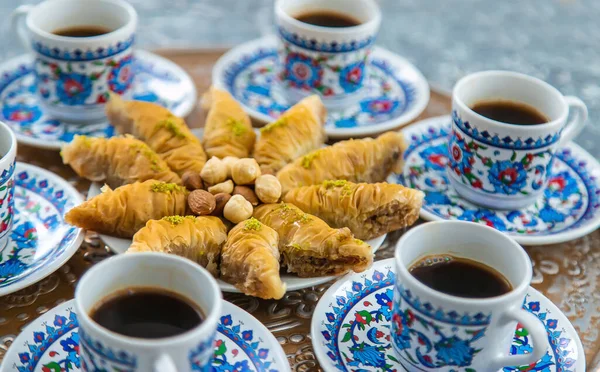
(59, 356)
(250, 78)
(73, 89)
(570, 200)
(302, 71)
(39, 204)
(356, 330)
(22, 113)
(20, 104)
(121, 75)
(352, 76)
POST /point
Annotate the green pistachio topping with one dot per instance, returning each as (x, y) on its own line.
(252, 224)
(276, 124)
(144, 150)
(170, 125)
(166, 187)
(176, 220)
(307, 160)
(237, 127)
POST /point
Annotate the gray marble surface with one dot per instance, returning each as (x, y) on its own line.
(555, 40)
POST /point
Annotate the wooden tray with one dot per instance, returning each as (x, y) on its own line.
(569, 273)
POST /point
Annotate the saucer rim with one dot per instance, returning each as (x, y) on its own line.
(326, 364)
(46, 270)
(271, 41)
(183, 110)
(228, 308)
(560, 237)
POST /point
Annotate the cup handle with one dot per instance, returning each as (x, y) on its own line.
(538, 334)
(18, 26)
(578, 119)
(164, 363)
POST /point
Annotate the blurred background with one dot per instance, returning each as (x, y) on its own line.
(555, 40)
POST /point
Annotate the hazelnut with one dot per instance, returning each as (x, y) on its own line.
(221, 200)
(245, 171)
(247, 193)
(201, 202)
(237, 209)
(268, 188)
(223, 187)
(192, 181)
(229, 161)
(214, 171)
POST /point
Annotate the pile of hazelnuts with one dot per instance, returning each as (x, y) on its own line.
(230, 188)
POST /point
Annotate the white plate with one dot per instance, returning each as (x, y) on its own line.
(371, 293)
(41, 241)
(52, 341)
(395, 90)
(156, 80)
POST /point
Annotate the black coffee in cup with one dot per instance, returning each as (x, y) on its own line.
(81, 31)
(460, 277)
(510, 112)
(147, 313)
(327, 18)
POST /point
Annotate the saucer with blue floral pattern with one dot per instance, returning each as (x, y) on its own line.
(350, 328)
(395, 90)
(51, 343)
(568, 209)
(156, 80)
(40, 241)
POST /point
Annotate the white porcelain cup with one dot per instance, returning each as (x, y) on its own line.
(500, 165)
(328, 61)
(75, 74)
(8, 154)
(432, 330)
(102, 349)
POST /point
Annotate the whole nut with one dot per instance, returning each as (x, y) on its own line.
(214, 171)
(221, 199)
(237, 209)
(192, 181)
(201, 202)
(268, 188)
(229, 161)
(245, 171)
(223, 187)
(247, 193)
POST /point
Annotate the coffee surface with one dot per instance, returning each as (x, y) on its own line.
(147, 313)
(460, 277)
(81, 31)
(510, 112)
(326, 18)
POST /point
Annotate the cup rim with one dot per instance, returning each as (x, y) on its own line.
(12, 150)
(363, 27)
(516, 291)
(107, 36)
(210, 319)
(529, 79)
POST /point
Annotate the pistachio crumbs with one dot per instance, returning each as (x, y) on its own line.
(177, 220)
(170, 125)
(345, 185)
(166, 187)
(144, 150)
(307, 160)
(237, 127)
(276, 124)
(252, 224)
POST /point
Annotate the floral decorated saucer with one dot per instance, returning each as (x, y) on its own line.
(351, 328)
(569, 208)
(41, 241)
(395, 93)
(51, 343)
(156, 80)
